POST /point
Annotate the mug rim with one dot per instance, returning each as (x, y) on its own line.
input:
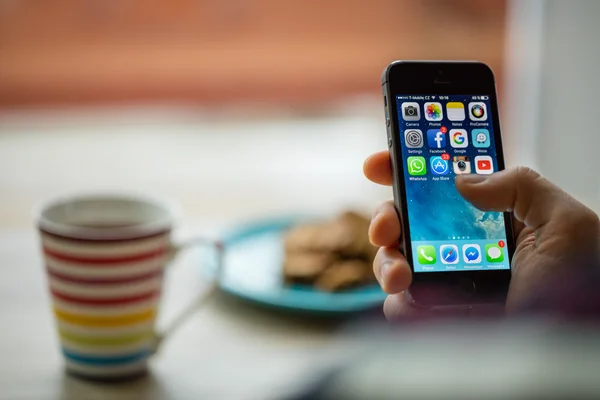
(161, 225)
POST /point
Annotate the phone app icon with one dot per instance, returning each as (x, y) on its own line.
(455, 111)
(459, 138)
(439, 166)
(477, 111)
(494, 253)
(484, 165)
(411, 111)
(472, 253)
(413, 138)
(426, 254)
(436, 139)
(449, 254)
(416, 165)
(433, 111)
(461, 165)
(480, 138)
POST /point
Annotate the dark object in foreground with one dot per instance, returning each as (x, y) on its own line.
(550, 350)
(516, 360)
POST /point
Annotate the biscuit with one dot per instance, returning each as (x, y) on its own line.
(343, 275)
(347, 235)
(330, 237)
(358, 226)
(331, 255)
(306, 266)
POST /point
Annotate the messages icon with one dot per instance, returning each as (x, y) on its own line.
(494, 253)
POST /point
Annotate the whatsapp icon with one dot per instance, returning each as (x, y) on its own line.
(416, 165)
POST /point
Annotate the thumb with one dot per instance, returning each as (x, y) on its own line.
(533, 199)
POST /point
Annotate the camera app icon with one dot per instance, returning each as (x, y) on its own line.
(410, 111)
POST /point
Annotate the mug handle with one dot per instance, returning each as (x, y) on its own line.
(201, 299)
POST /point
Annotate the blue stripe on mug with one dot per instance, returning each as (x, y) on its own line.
(104, 360)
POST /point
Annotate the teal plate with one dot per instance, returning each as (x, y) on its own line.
(252, 265)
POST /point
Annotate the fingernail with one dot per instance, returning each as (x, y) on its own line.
(472, 178)
(385, 269)
(375, 213)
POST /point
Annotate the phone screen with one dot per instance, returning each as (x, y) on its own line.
(441, 137)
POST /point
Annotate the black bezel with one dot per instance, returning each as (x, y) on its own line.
(442, 78)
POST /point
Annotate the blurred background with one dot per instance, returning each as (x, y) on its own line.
(238, 108)
(242, 109)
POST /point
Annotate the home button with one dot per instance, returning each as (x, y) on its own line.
(466, 287)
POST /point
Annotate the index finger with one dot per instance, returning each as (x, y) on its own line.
(377, 168)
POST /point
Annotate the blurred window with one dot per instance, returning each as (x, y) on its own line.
(223, 51)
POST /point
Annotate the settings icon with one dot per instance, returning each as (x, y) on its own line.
(413, 138)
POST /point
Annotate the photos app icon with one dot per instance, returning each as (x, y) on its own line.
(433, 111)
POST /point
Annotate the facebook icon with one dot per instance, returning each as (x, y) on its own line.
(436, 139)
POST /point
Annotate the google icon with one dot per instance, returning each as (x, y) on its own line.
(459, 138)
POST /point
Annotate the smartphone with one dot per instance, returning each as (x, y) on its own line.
(442, 121)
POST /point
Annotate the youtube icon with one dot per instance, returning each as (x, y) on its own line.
(484, 165)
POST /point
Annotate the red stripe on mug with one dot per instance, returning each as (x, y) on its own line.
(111, 301)
(105, 260)
(103, 281)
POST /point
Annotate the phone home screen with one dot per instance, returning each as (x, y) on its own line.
(441, 137)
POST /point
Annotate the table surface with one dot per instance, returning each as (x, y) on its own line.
(222, 172)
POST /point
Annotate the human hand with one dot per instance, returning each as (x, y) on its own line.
(557, 238)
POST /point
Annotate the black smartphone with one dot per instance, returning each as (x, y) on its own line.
(442, 121)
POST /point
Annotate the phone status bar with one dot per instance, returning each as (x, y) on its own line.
(436, 97)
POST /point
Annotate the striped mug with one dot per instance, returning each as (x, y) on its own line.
(105, 257)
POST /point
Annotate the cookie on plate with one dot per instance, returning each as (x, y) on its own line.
(343, 275)
(306, 266)
(332, 255)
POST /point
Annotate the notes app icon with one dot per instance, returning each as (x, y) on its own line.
(455, 111)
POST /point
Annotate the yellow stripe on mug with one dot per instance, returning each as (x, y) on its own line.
(99, 341)
(105, 321)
